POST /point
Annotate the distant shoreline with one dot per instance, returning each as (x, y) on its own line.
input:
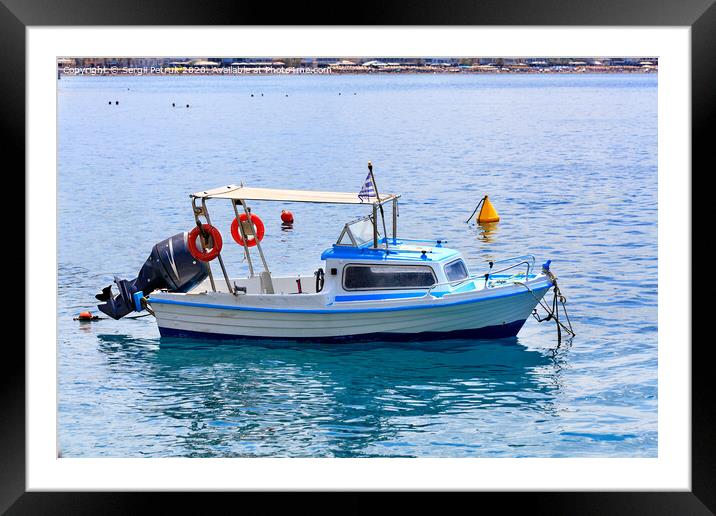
(118, 71)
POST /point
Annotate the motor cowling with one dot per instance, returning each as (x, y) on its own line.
(169, 266)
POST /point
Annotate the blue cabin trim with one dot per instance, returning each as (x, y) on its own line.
(373, 297)
(434, 252)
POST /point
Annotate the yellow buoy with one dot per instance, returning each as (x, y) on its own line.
(488, 213)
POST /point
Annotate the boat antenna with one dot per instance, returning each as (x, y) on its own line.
(380, 205)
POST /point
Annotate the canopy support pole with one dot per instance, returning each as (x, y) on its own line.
(243, 237)
(258, 244)
(395, 221)
(375, 226)
(221, 260)
(197, 212)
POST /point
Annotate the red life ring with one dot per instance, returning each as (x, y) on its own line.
(259, 230)
(215, 237)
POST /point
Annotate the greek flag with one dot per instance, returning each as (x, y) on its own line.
(368, 189)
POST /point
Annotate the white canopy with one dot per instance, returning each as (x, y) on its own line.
(274, 194)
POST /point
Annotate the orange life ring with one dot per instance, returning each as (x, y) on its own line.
(215, 236)
(259, 230)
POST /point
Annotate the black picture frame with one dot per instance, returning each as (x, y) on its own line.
(700, 15)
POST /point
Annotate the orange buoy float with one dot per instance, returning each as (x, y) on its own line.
(258, 230)
(286, 216)
(84, 316)
(488, 213)
(214, 240)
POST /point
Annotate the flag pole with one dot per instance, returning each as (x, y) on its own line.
(380, 205)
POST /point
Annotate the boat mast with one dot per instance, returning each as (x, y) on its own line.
(382, 213)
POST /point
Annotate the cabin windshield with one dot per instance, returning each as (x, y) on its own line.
(357, 233)
(362, 230)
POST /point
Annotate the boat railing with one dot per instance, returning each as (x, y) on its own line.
(527, 260)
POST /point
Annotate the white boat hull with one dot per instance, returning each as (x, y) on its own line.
(489, 313)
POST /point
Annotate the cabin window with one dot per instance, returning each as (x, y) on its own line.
(366, 277)
(456, 271)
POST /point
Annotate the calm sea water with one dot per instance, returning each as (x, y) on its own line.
(570, 163)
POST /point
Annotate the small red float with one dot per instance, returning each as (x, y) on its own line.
(286, 216)
(84, 316)
(214, 240)
(259, 230)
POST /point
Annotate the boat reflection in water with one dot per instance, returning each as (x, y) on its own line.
(444, 398)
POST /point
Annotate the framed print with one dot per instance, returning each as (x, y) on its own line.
(434, 254)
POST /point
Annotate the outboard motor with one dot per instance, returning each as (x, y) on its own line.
(170, 266)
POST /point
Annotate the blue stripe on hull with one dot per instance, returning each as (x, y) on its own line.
(535, 290)
(489, 332)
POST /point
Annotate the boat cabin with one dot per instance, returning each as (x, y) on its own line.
(354, 265)
(407, 268)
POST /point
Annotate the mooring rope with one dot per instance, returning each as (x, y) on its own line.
(475, 210)
(145, 304)
(553, 312)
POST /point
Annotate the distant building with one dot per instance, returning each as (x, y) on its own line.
(407, 61)
(324, 61)
(441, 61)
(342, 63)
(204, 62)
(374, 64)
(625, 61)
(256, 62)
(247, 60)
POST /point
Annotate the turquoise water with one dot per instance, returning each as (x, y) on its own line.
(570, 163)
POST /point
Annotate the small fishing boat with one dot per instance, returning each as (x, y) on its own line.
(372, 285)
